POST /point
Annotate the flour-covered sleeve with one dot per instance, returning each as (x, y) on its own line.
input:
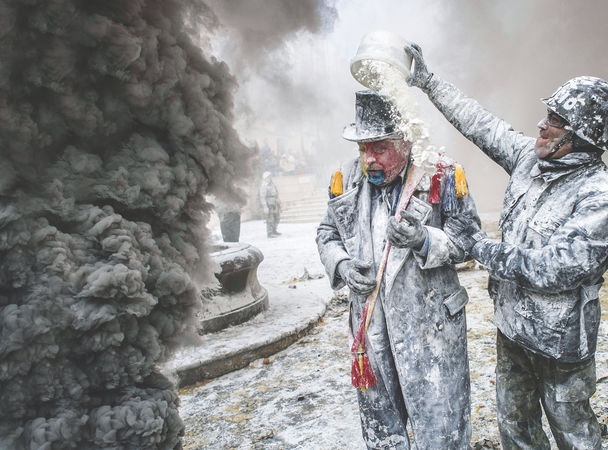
(441, 250)
(495, 137)
(575, 255)
(331, 250)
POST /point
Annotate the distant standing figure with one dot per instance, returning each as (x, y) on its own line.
(269, 197)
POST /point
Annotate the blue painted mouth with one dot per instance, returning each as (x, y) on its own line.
(376, 177)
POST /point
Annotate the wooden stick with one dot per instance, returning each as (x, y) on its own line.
(413, 178)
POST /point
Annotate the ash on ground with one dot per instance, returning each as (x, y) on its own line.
(301, 398)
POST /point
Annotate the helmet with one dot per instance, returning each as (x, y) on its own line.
(583, 102)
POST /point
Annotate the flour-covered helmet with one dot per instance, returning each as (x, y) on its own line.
(583, 102)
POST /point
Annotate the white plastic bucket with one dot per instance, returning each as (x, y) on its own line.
(384, 46)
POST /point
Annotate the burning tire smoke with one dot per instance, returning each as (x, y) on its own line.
(113, 128)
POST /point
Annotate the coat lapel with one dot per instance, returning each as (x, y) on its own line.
(397, 256)
(366, 251)
(396, 259)
(351, 212)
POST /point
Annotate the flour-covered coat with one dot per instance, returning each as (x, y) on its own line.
(547, 272)
(417, 336)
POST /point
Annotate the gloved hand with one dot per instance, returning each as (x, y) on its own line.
(266, 210)
(407, 233)
(353, 272)
(420, 75)
(464, 231)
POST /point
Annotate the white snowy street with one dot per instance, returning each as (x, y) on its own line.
(301, 397)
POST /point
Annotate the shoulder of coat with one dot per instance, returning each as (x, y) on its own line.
(439, 165)
(593, 182)
(352, 172)
(444, 165)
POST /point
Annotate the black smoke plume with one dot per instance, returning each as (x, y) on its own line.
(113, 127)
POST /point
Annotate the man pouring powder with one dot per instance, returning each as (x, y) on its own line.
(546, 274)
(416, 337)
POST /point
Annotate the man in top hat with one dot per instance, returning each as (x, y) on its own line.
(546, 274)
(416, 339)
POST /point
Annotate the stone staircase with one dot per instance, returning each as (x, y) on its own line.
(310, 208)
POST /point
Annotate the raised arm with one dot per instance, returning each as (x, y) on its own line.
(495, 137)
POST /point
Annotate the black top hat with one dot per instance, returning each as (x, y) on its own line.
(375, 119)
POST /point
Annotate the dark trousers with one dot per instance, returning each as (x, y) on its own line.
(272, 220)
(230, 226)
(525, 380)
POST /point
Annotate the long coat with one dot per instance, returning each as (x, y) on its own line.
(417, 336)
(547, 273)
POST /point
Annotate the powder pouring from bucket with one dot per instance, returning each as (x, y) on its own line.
(380, 50)
(382, 65)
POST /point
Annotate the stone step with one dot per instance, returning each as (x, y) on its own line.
(304, 205)
(312, 216)
(303, 213)
(307, 201)
(303, 219)
(307, 209)
(312, 199)
(291, 314)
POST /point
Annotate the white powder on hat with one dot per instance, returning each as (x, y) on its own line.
(388, 81)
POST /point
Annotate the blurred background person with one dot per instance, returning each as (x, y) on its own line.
(271, 204)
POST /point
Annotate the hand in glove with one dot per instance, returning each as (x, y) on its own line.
(353, 272)
(266, 210)
(420, 76)
(407, 233)
(464, 231)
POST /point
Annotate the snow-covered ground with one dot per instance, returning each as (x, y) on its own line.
(301, 398)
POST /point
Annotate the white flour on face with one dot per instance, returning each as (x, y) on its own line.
(386, 80)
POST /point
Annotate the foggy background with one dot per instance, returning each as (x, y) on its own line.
(296, 92)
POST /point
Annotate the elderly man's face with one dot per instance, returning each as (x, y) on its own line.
(383, 160)
(551, 130)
